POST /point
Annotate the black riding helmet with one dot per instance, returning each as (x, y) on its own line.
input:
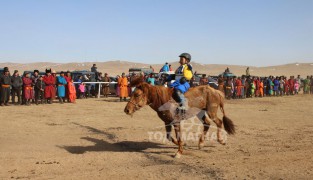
(186, 55)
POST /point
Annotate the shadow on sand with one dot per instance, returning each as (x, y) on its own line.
(101, 145)
(111, 145)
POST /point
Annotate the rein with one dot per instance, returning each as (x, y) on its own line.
(136, 104)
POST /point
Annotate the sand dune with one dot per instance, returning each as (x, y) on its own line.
(117, 67)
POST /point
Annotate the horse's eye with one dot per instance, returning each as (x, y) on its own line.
(137, 95)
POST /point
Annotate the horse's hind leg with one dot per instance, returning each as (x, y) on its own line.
(168, 128)
(179, 139)
(206, 126)
(219, 123)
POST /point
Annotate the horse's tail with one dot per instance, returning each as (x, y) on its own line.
(228, 123)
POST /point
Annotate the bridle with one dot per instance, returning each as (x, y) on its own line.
(137, 104)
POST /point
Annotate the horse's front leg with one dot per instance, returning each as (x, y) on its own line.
(168, 128)
(179, 139)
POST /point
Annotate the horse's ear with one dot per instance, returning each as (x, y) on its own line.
(136, 82)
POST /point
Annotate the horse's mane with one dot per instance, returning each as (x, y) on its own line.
(157, 95)
(135, 82)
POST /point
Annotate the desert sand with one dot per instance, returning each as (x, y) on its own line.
(117, 67)
(95, 139)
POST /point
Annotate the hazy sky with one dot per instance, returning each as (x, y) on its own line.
(241, 32)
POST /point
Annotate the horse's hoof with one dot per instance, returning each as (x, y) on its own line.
(177, 155)
(201, 145)
(222, 142)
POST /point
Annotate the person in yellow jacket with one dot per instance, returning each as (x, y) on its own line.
(184, 71)
(123, 83)
(185, 68)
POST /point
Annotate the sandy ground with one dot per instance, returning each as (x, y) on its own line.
(94, 139)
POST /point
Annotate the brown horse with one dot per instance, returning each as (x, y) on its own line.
(200, 97)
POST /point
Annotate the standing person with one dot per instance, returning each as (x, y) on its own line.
(286, 86)
(276, 86)
(297, 86)
(17, 84)
(34, 78)
(252, 86)
(40, 90)
(94, 68)
(50, 90)
(106, 86)
(82, 90)
(238, 85)
(270, 85)
(291, 85)
(281, 86)
(117, 87)
(123, 84)
(228, 87)
(247, 72)
(72, 92)
(68, 79)
(261, 87)
(306, 85)
(5, 82)
(300, 83)
(243, 82)
(151, 80)
(61, 87)
(257, 86)
(165, 68)
(170, 67)
(265, 85)
(28, 88)
(203, 80)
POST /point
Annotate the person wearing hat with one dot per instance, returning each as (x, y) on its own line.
(40, 90)
(123, 85)
(34, 78)
(61, 87)
(28, 88)
(50, 81)
(106, 86)
(5, 82)
(17, 84)
(184, 72)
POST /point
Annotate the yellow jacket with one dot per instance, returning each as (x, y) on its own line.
(187, 72)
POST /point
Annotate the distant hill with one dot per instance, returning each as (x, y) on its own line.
(117, 67)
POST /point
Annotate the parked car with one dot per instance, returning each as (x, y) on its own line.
(146, 71)
(212, 80)
(227, 74)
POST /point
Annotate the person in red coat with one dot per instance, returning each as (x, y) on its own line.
(50, 86)
(68, 79)
(28, 89)
(238, 85)
(291, 85)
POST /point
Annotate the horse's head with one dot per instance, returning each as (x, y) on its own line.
(139, 97)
